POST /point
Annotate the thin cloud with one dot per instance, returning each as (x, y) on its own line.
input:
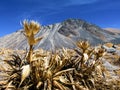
(81, 2)
(53, 7)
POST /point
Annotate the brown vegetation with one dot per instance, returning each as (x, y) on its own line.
(65, 69)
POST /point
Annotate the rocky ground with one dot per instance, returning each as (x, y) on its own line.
(112, 59)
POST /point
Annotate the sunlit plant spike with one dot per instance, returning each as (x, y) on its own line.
(27, 30)
(32, 24)
(85, 56)
(35, 27)
(31, 40)
(101, 52)
(85, 44)
(38, 40)
(25, 73)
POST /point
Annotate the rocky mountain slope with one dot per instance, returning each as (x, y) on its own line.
(64, 34)
(115, 30)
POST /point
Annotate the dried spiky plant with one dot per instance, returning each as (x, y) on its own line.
(21, 69)
(50, 72)
(87, 63)
(31, 29)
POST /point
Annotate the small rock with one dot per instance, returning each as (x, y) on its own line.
(109, 50)
(109, 45)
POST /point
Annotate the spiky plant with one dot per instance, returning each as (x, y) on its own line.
(13, 72)
(21, 69)
(30, 30)
(86, 64)
(50, 72)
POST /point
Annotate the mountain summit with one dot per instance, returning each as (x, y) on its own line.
(64, 34)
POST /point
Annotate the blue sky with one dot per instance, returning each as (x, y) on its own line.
(104, 13)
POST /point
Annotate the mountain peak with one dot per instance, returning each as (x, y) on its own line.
(64, 34)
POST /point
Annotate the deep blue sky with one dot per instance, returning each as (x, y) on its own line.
(104, 13)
